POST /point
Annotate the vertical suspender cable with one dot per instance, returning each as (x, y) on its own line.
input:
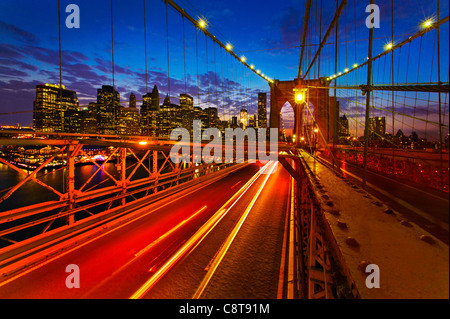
(215, 77)
(221, 83)
(61, 115)
(393, 92)
(168, 57)
(227, 88)
(441, 173)
(366, 124)
(112, 52)
(356, 74)
(406, 81)
(320, 35)
(335, 83)
(196, 54)
(113, 75)
(418, 72)
(184, 56)
(145, 51)
(431, 79)
(59, 44)
(207, 70)
(60, 73)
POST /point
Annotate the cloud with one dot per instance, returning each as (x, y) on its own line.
(10, 51)
(287, 23)
(83, 72)
(17, 63)
(11, 72)
(51, 56)
(42, 54)
(16, 33)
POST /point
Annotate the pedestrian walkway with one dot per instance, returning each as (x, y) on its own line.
(412, 263)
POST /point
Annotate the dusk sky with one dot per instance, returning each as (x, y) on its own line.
(267, 33)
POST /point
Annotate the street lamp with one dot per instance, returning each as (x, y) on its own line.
(427, 23)
(202, 24)
(300, 95)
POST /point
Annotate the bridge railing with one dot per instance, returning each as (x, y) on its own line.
(121, 172)
(320, 269)
(421, 168)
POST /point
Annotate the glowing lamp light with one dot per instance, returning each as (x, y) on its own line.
(243, 58)
(427, 23)
(355, 65)
(258, 71)
(142, 142)
(252, 66)
(388, 46)
(346, 70)
(202, 24)
(300, 96)
(316, 130)
(229, 47)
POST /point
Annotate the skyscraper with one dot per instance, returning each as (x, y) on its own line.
(166, 102)
(155, 98)
(244, 119)
(146, 114)
(55, 109)
(186, 101)
(128, 121)
(262, 110)
(108, 108)
(89, 119)
(343, 129)
(234, 122)
(132, 101)
(187, 110)
(377, 127)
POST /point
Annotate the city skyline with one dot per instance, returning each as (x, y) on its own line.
(29, 54)
(57, 109)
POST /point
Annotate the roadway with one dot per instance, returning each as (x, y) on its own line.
(120, 262)
(245, 263)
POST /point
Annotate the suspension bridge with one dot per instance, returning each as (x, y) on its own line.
(354, 206)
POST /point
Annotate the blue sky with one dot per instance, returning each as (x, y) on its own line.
(267, 34)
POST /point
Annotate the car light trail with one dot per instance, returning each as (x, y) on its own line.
(196, 238)
(160, 238)
(231, 237)
(235, 184)
(84, 243)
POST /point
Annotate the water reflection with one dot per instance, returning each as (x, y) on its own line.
(32, 193)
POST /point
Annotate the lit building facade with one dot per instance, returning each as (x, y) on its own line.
(377, 127)
(262, 110)
(108, 108)
(128, 121)
(244, 119)
(56, 109)
(186, 101)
